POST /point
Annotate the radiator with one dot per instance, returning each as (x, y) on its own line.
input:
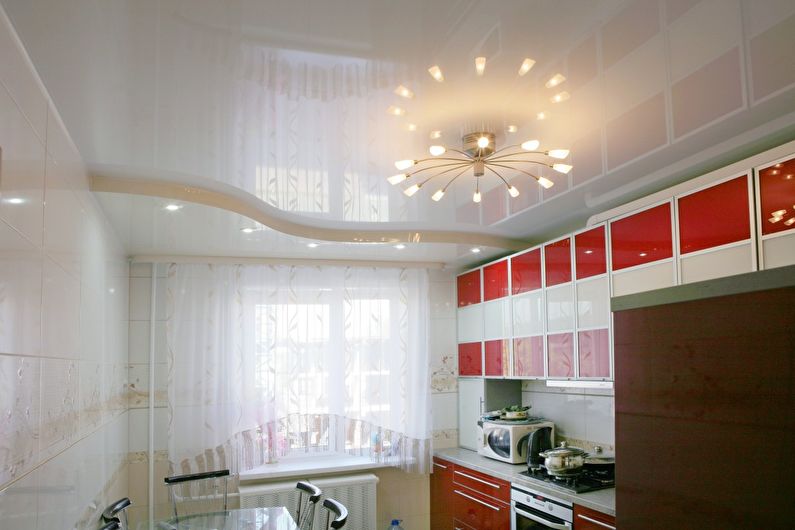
(356, 492)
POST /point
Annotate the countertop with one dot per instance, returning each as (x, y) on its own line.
(601, 500)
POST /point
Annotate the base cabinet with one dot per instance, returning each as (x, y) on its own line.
(464, 499)
(587, 519)
(442, 495)
(480, 512)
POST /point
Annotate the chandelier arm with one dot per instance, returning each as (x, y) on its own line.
(443, 172)
(453, 179)
(422, 160)
(468, 157)
(498, 151)
(519, 170)
(501, 177)
(543, 153)
(457, 164)
(519, 162)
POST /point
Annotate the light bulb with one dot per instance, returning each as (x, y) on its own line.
(400, 246)
(480, 65)
(558, 153)
(404, 164)
(541, 116)
(560, 96)
(173, 207)
(397, 179)
(561, 168)
(530, 145)
(555, 80)
(247, 230)
(476, 196)
(483, 142)
(436, 73)
(545, 182)
(411, 127)
(527, 64)
(411, 190)
(512, 129)
(395, 111)
(435, 135)
(438, 195)
(312, 245)
(512, 191)
(404, 92)
(437, 150)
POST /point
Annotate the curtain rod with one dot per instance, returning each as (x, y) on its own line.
(306, 262)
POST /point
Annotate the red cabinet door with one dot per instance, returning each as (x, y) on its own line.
(715, 216)
(526, 272)
(590, 253)
(528, 357)
(777, 197)
(495, 280)
(498, 489)
(557, 262)
(641, 238)
(470, 359)
(560, 351)
(442, 495)
(480, 512)
(497, 357)
(469, 288)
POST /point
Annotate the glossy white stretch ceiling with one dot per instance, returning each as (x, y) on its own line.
(287, 100)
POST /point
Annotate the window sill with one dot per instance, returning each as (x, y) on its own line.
(309, 466)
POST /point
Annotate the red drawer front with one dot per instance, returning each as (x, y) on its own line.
(470, 359)
(497, 357)
(469, 288)
(560, 347)
(528, 357)
(495, 280)
(589, 253)
(526, 272)
(715, 216)
(777, 192)
(557, 262)
(594, 353)
(588, 519)
(641, 238)
(480, 512)
(494, 488)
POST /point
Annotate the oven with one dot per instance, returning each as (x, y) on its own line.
(531, 509)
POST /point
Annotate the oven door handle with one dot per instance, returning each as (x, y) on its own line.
(549, 524)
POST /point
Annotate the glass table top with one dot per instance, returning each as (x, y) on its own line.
(243, 519)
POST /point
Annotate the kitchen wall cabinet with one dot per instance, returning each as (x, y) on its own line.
(468, 288)
(470, 359)
(497, 361)
(775, 192)
(588, 519)
(592, 293)
(442, 495)
(714, 230)
(526, 271)
(470, 321)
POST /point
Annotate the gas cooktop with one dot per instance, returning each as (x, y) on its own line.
(580, 484)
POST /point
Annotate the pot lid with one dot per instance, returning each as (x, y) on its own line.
(599, 457)
(565, 450)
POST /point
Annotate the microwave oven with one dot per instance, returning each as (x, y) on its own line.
(508, 441)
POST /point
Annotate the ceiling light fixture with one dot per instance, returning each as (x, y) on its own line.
(435, 135)
(475, 250)
(395, 111)
(542, 115)
(247, 230)
(411, 127)
(312, 245)
(436, 73)
(480, 155)
(555, 80)
(527, 64)
(512, 129)
(173, 207)
(560, 97)
(400, 246)
(404, 92)
(15, 200)
(480, 66)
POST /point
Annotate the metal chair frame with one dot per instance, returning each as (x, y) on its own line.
(312, 493)
(192, 477)
(111, 513)
(340, 512)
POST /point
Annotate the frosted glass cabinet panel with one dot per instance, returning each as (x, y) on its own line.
(593, 303)
(470, 323)
(497, 319)
(528, 314)
(560, 308)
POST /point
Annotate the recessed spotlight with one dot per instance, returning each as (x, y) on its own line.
(555, 80)
(527, 64)
(15, 200)
(436, 73)
(480, 65)
(475, 250)
(404, 92)
(311, 245)
(542, 115)
(411, 127)
(400, 246)
(512, 129)
(560, 97)
(111, 290)
(247, 230)
(173, 207)
(435, 135)
(395, 111)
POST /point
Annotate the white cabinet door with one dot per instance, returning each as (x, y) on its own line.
(528, 314)
(470, 399)
(470, 323)
(497, 319)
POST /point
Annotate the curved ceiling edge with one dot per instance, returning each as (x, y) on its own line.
(208, 192)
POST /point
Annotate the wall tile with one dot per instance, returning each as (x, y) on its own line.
(445, 411)
(140, 299)
(59, 406)
(20, 405)
(60, 311)
(63, 220)
(139, 341)
(18, 503)
(20, 285)
(442, 299)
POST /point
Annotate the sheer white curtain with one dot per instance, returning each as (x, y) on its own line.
(266, 362)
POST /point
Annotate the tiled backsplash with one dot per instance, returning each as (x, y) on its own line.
(443, 358)
(63, 319)
(585, 417)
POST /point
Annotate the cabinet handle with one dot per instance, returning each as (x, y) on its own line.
(594, 521)
(440, 465)
(495, 508)
(493, 485)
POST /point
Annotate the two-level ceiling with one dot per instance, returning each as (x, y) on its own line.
(282, 107)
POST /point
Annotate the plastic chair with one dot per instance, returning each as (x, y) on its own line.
(198, 492)
(117, 512)
(308, 497)
(340, 514)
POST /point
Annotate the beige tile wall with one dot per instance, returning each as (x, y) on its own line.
(63, 319)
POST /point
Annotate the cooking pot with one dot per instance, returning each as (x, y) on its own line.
(600, 464)
(564, 461)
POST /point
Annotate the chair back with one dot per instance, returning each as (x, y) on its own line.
(339, 511)
(116, 512)
(112, 525)
(308, 497)
(198, 492)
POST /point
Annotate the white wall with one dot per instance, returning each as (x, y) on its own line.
(443, 356)
(63, 319)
